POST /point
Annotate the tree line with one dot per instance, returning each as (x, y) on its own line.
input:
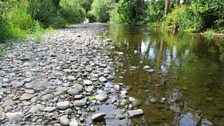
(21, 17)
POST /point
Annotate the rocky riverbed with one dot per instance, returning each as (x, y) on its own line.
(64, 80)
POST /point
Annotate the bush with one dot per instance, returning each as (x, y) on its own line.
(154, 11)
(190, 20)
(173, 18)
(18, 15)
(72, 11)
(4, 32)
(120, 13)
(45, 12)
(128, 12)
(101, 9)
(15, 21)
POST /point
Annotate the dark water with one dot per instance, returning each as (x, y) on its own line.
(187, 86)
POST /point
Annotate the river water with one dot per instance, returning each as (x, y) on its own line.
(187, 85)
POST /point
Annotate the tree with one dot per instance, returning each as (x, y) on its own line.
(101, 9)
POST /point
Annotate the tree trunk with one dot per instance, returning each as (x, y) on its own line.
(167, 4)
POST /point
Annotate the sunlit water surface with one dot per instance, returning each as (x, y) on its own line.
(187, 85)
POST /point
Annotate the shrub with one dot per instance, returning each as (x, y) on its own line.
(190, 20)
(173, 18)
(154, 11)
(120, 13)
(18, 15)
(15, 21)
(45, 12)
(4, 33)
(128, 12)
(72, 11)
(101, 9)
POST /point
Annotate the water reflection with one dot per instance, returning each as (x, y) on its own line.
(185, 63)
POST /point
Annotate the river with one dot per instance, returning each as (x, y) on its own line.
(186, 84)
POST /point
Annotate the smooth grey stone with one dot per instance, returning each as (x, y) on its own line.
(73, 91)
(89, 88)
(71, 78)
(47, 97)
(87, 82)
(81, 102)
(29, 91)
(74, 122)
(49, 109)
(63, 105)
(102, 79)
(26, 96)
(40, 85)
(101, 97)
(98, 116)
(64, 120)
(34, 109)
(133, 113)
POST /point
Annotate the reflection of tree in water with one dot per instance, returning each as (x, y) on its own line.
(184, 61)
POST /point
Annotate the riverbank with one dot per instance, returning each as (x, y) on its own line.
(64, 80)
(208, 34)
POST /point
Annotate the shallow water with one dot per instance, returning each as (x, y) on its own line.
(187, 85)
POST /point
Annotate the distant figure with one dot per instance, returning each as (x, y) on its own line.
(86, 21)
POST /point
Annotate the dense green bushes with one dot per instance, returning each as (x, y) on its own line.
(15, 21)
(128, 12)
(19, 18)
(45, 12)
(4, 32)
(101, 9)
(198, 16)
(154, 11)
(72, 11)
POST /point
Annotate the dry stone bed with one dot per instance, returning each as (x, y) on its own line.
(64, 80)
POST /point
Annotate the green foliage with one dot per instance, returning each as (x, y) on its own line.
(129, 12)
(190, 20)
(19, 9)
(11, 25)
(72, 11)
(45, 12)
(38, 32)
(173, 18)
(101, 9)
(120, 13)
(86, 4)
(4, 32)
(154, 11)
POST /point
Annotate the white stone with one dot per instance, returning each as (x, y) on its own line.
(87, 82)
(102, 79)
(26, 96)
(34, 109)
(49, 109)
(98, 116)
(63, 105)
(80, 102)
(101, 97)
(64, 120)
(74, 122)
(133, 113)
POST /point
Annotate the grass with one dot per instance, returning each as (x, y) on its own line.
(211, 34)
